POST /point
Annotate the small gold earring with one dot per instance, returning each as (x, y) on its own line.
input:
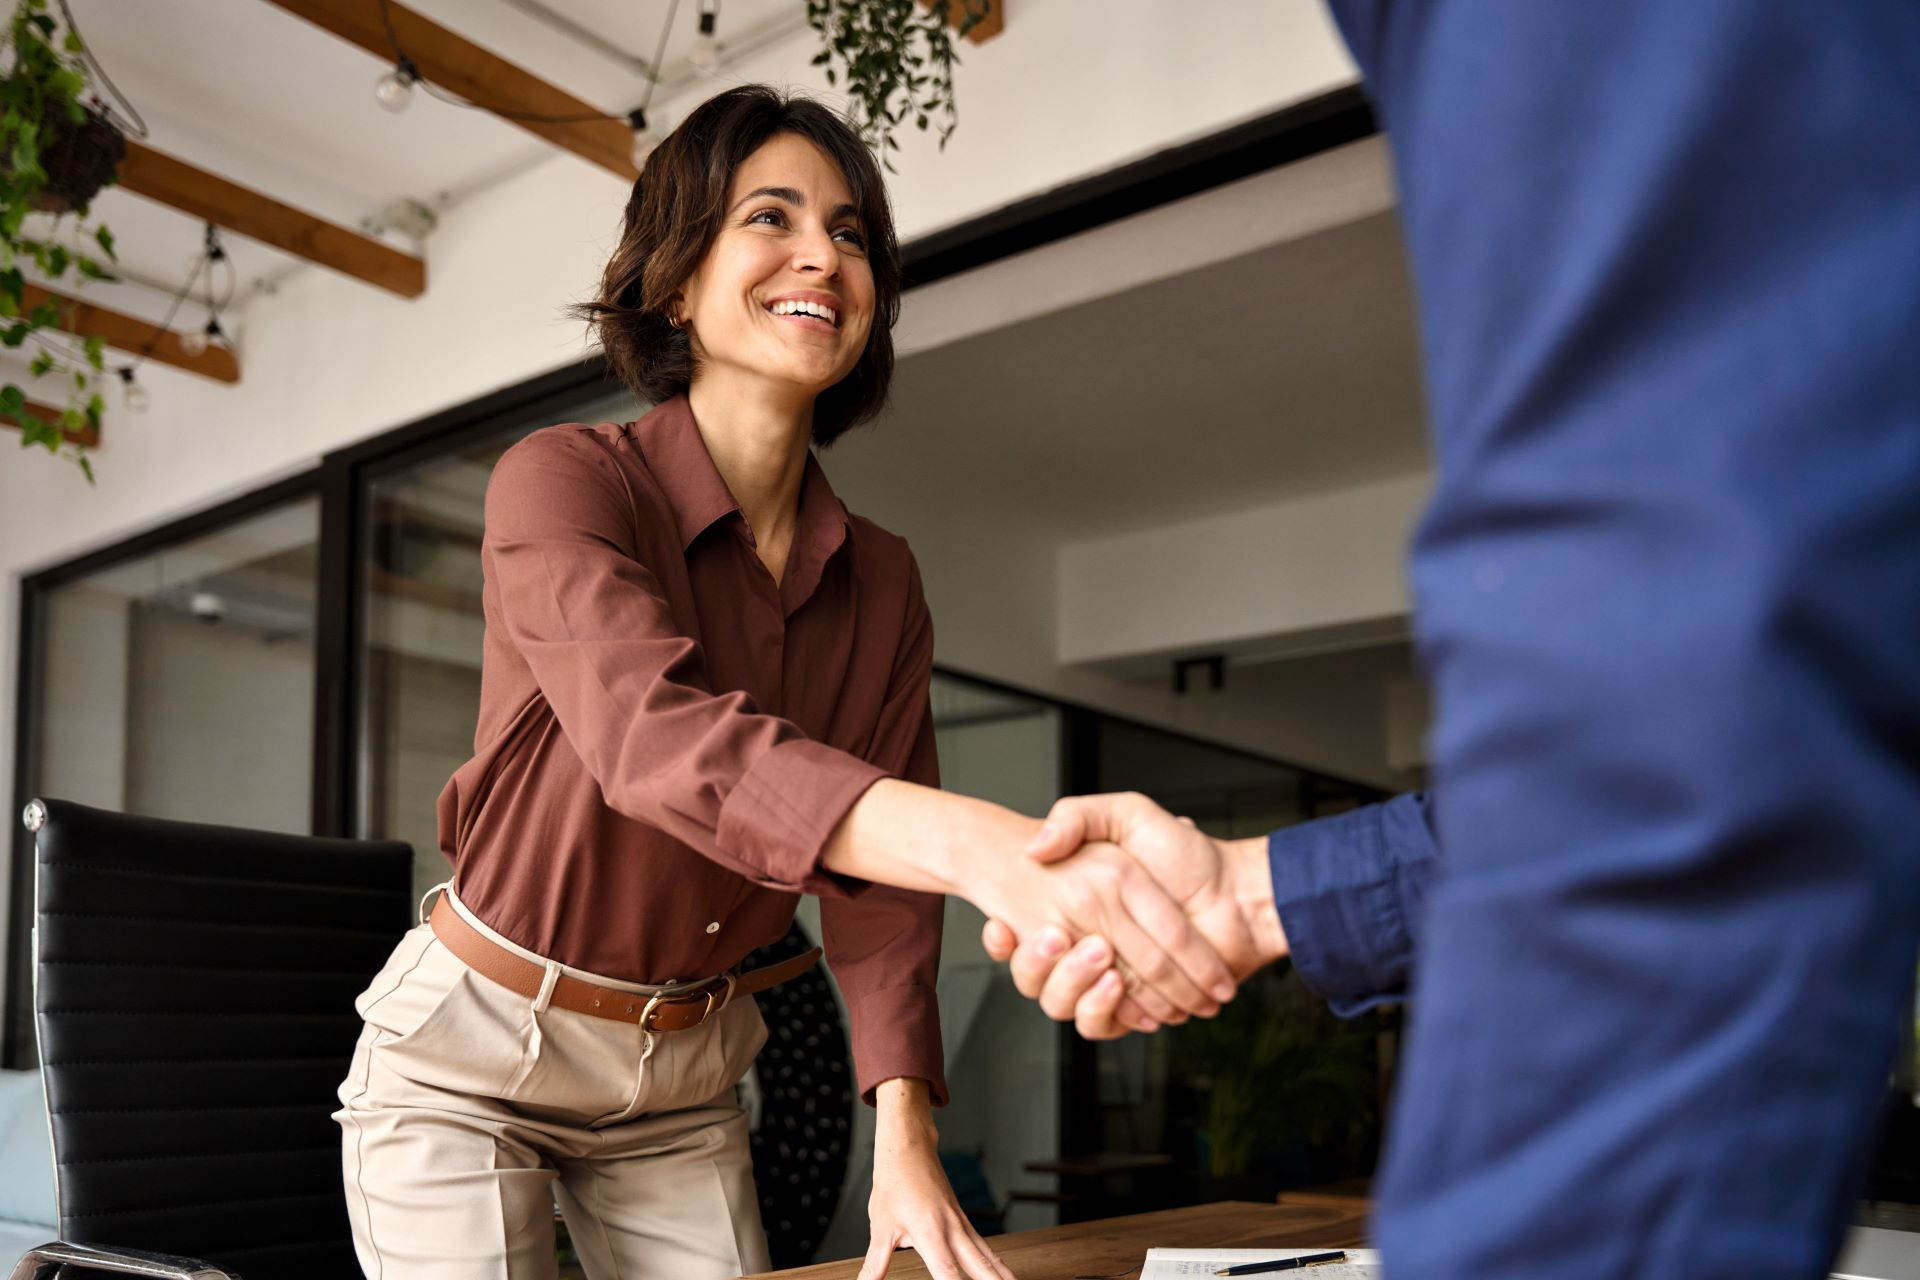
(675, 322)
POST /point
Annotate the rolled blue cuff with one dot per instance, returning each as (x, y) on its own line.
(1350, 891)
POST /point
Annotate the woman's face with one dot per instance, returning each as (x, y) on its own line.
(785, 292)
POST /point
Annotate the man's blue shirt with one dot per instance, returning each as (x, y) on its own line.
(1667, 257)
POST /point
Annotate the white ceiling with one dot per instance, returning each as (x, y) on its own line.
(263, 98)
(1289, 370)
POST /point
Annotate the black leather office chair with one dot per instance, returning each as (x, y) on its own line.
(194, 994)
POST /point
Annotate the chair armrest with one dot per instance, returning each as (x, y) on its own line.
(46, 1262)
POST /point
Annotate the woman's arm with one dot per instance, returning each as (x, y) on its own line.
(913, 1205)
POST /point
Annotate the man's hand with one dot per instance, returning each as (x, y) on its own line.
(1225, 887)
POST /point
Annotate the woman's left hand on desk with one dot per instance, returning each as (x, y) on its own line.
(913, 1205)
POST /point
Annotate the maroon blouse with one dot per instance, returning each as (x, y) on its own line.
(667, 737)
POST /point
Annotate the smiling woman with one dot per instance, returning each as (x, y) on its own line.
(696, 665)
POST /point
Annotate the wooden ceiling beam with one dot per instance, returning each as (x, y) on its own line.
(89, 437)
(131, 333)
(211, 198)
(459, 66)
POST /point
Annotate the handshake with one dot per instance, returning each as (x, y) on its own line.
(1127, 918)
(1113, 912)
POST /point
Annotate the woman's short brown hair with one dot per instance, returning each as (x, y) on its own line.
(674, 214)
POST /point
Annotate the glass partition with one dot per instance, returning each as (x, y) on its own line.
(178, 683)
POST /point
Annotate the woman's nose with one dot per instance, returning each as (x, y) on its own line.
(816, 251)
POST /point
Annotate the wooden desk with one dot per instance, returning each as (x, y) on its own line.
(1114, 1244)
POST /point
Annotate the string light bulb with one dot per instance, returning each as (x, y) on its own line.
(706, 46)
(133, 395)
(395, 89)
(196, 341)
(644, 138)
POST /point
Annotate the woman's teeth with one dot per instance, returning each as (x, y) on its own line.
(826, 313)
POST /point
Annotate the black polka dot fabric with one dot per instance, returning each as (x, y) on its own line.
(805, 1076)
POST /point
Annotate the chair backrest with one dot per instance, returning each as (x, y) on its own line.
(193, 994)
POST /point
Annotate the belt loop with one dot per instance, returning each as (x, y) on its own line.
(445, 886)
(547, 981)
(540, 1003)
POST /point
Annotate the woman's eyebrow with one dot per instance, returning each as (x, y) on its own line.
(788, 194)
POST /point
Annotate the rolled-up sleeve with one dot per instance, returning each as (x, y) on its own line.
(1350, 890)
(882, 943)
(629, 688)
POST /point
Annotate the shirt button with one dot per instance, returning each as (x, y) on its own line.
(714, 927)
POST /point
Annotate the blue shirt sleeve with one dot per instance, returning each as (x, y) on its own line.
(1349, 890)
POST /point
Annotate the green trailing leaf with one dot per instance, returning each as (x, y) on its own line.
(897, 58)
(43, 97)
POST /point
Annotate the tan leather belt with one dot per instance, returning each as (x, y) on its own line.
(676, 1009)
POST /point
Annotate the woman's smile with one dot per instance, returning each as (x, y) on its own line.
(807, 310)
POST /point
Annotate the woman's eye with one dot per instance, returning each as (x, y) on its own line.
(767, 217)
(851, 236)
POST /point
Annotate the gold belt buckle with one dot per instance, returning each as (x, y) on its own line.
(654, 1003)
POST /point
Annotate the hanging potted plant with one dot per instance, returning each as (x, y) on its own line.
(896, 59)
(57, 151)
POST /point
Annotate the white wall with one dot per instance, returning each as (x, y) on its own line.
(1295, 577)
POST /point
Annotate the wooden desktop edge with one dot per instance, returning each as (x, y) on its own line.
(1110, 1244)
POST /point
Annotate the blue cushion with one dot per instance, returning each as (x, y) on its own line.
(26, 1153)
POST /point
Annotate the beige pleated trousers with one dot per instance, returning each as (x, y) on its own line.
(468, 1111)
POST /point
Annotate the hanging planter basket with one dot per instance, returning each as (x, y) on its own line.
(80, 158)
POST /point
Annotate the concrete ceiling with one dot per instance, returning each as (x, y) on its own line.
(1288, 370)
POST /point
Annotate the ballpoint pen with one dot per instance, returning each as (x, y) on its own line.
(1284, 1264)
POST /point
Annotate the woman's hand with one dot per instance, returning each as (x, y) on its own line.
(912, 1205)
